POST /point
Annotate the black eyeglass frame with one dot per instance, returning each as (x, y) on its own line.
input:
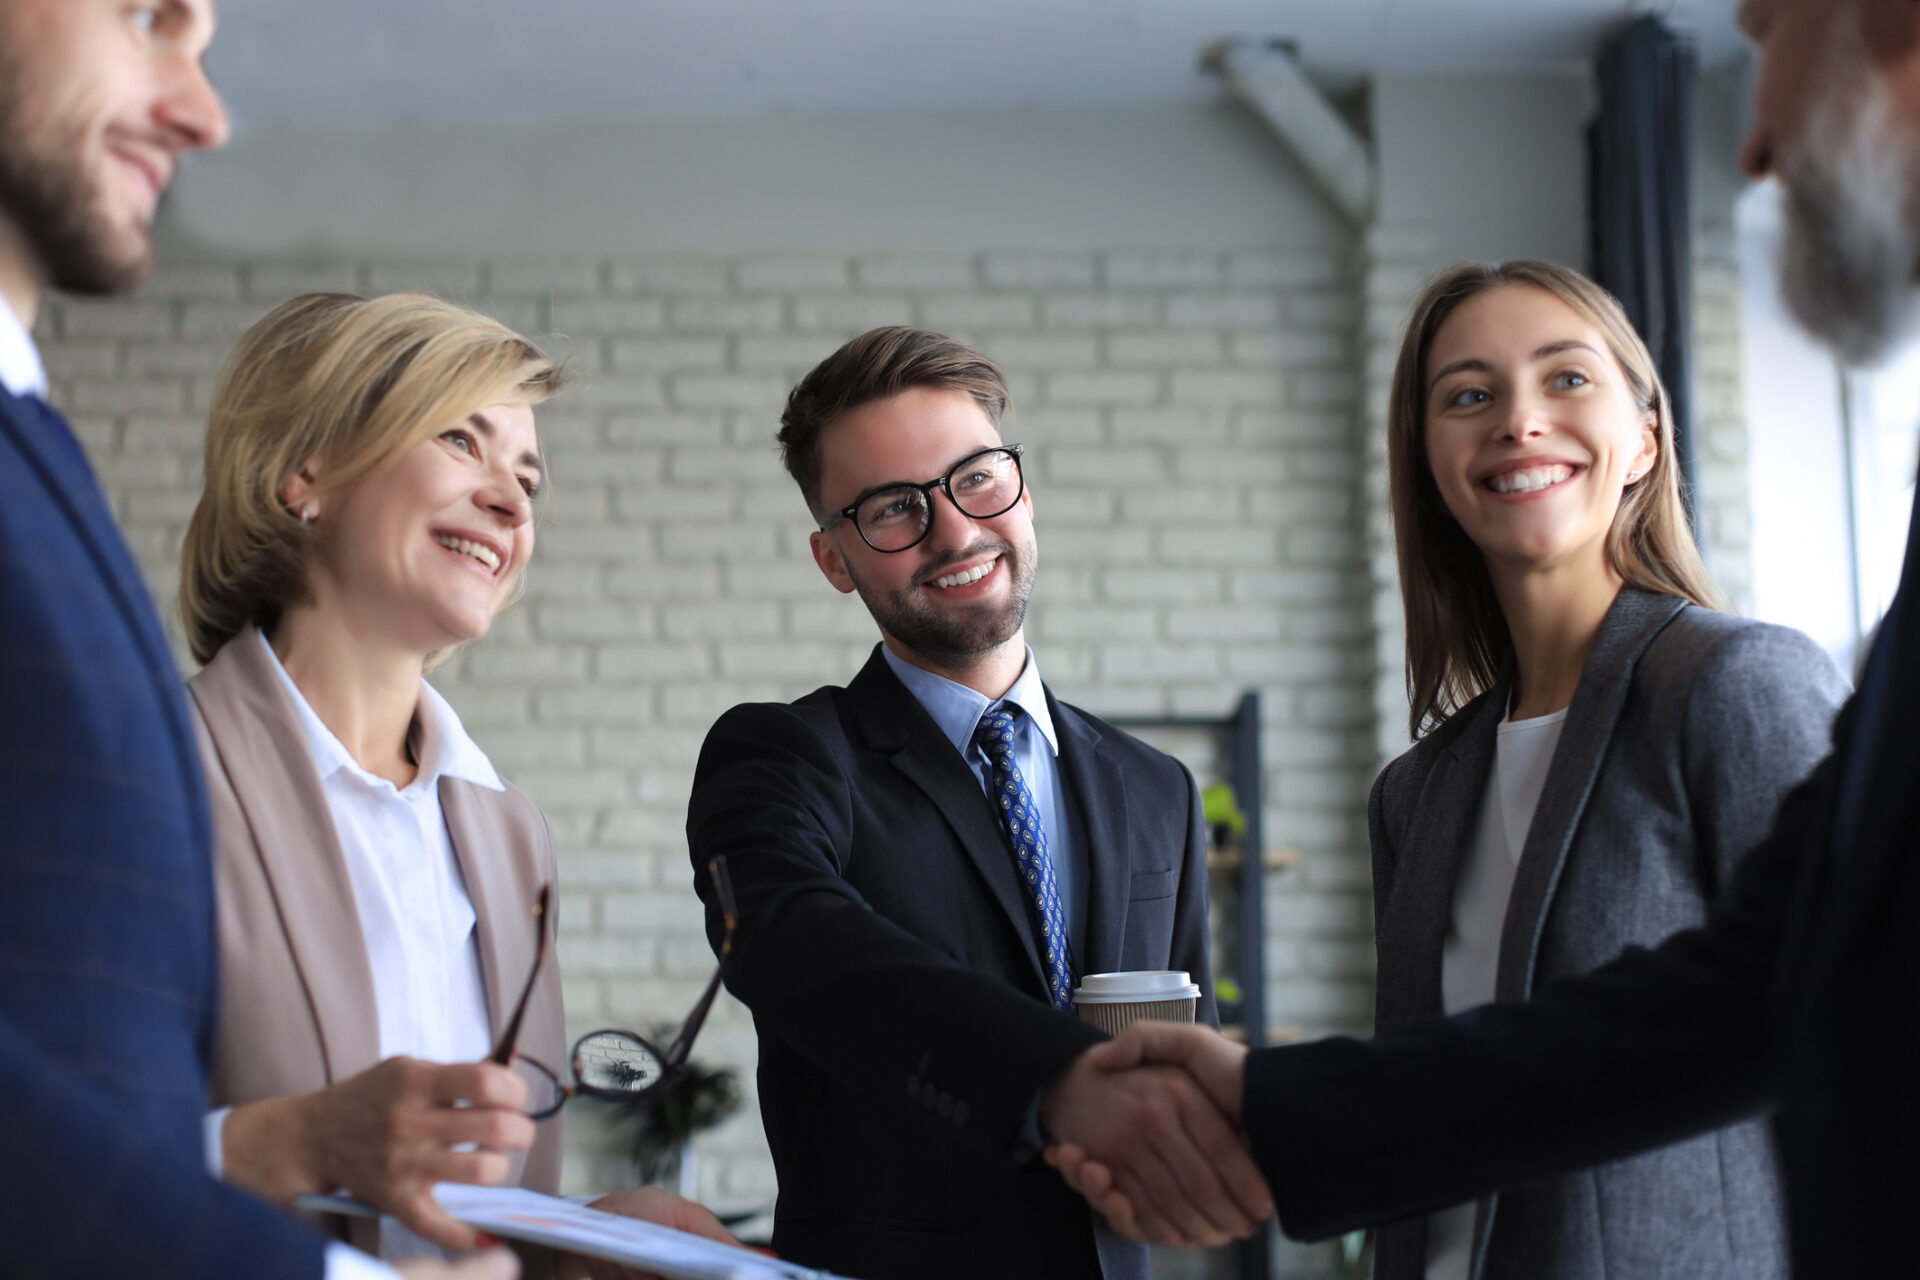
(670, 1062)
(850, 512)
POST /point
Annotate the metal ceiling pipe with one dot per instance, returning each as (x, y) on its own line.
(1266, 75)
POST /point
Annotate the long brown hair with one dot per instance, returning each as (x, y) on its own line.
(1457, 637)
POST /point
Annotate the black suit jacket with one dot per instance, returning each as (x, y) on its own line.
(889, 957)
(1798, 995)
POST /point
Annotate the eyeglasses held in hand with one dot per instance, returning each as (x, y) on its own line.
(613, 1066)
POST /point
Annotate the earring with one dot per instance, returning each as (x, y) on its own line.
(1632, 476)
(306, 513)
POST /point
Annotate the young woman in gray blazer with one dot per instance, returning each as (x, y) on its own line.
(1598, 743)
(370, 474)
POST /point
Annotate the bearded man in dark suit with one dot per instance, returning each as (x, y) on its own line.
(107, 965)
(927, 859)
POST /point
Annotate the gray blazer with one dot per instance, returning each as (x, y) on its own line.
(1687, 729)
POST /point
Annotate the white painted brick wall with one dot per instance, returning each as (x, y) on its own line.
(1209, 521)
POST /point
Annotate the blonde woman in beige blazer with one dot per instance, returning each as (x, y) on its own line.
(371, 469)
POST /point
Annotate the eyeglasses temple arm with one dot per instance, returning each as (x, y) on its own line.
(510, 1034)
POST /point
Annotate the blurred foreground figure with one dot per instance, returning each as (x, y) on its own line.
(107, 973)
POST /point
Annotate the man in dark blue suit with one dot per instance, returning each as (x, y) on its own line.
(107, 979)
(1799, 995)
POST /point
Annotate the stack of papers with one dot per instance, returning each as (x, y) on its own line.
(518, 1214)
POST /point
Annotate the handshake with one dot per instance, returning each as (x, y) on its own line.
(1147, 1128)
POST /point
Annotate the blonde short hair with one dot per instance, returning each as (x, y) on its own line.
(354, 381)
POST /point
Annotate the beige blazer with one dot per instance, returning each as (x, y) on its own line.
(296, 991)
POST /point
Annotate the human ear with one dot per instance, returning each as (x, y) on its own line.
(297, 494)
(1649, 452)
(826, 554)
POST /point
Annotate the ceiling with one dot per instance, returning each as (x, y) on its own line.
(295, 62)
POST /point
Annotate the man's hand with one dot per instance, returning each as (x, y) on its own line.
(1150, 1140)
(385, 1136)
(649, 1204)
(494, 1264)
(1132, 1204)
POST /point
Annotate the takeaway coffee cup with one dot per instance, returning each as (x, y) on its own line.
(1112, 1000)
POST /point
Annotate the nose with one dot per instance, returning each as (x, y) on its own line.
(953, 529)
(190, 110)
(503, 496)
(1522, 420)
(1756, 153)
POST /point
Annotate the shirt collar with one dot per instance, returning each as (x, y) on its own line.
(21, 372)
(957, 709)
(445, 748)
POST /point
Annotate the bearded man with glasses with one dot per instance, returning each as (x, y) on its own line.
(927, 860)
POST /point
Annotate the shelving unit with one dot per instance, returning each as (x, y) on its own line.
(1244, 868)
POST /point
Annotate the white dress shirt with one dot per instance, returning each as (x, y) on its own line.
(1470, 962)
(415, 914)
(21, 372)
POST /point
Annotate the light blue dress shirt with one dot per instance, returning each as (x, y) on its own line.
(1036, 749)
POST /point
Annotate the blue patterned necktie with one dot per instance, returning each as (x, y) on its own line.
(1028, 838)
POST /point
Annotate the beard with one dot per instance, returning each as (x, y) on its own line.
(45, 192)
(1850, 250)
(956, 638)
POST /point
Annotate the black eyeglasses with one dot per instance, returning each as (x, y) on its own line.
(613, 1066)
(898, 516)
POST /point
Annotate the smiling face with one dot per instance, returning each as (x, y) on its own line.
(1531, 431)
(425, 552)
(956, 600)
(98, 99)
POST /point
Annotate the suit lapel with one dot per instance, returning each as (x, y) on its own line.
(1427, 865)
(1095, 784)
(264, 753)
(503, 938)
(43, 437)
(1629, 627)
(892, 721)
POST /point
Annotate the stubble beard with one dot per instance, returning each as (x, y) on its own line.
(45, 192)
(956, 638)
(1851, 249)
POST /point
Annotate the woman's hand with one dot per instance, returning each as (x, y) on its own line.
(385, 1137)
(649, 1204)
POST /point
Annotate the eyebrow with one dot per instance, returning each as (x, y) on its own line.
(1473, 364)
(915, 484)
(528, 459)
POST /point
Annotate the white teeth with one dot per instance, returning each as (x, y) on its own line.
(966, 576)
(1528, 481)
(478, 550)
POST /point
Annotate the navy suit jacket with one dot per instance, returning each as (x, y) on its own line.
(1797, 997)
(107, 971)
(890, 958)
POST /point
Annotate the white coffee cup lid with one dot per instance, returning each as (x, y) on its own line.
(1135, 986)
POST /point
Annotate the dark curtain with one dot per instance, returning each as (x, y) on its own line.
(1638, 214)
